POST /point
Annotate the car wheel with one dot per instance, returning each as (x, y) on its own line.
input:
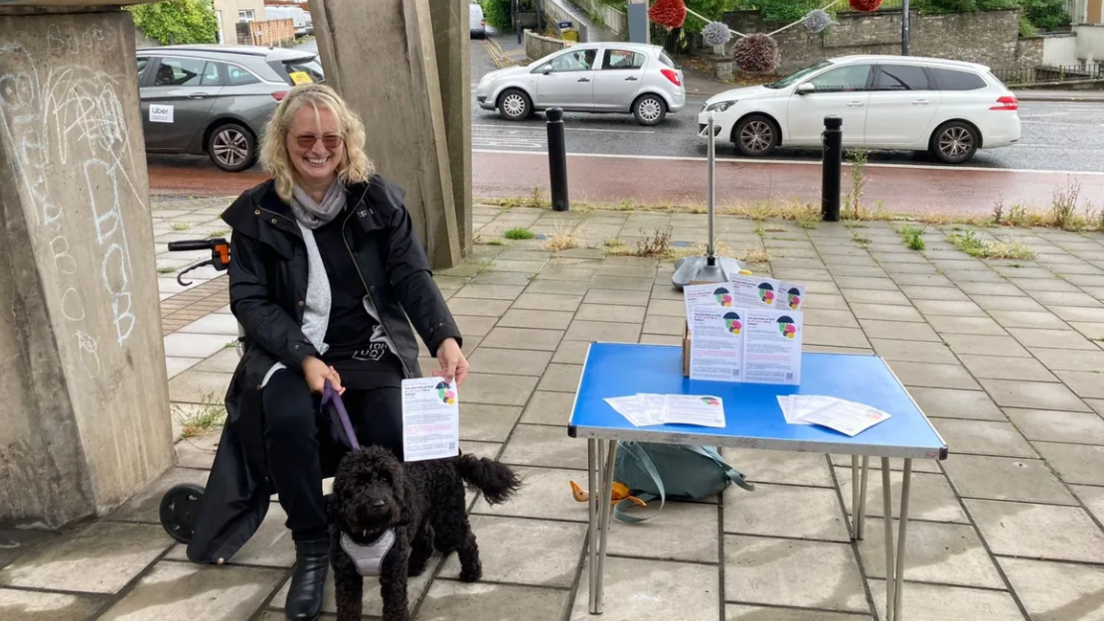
(954, 142)
(515, 105)
(650, 110)
(232, 147)
(755, 136)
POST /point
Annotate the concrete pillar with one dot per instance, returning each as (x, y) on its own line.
(451, 35)
(85, 418)
(381, 57)
(639, 27)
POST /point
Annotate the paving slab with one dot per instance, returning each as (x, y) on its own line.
(523, 339)
(1075, 463)
(1033, 395)
(189, 345)
(952, 324)
(545, 494)
(605, 331)
(549, 408)
(1057, 591)
(934, 552)
(784, 467)
(498, 389)
(1070, 360)
(561, 378)
(545, 319)
(451, 600)
(509, 361)
(907, 331)
(738, 612)
(174, 591)
(199, 387)
(927, 375)
(553, 551)
(1008, 303)
(548, 302)
(144, 506)
(100, 558)
(488, 423)
(932, 602)
(1003, 478)
(785, 511)
(931, 498)
(1086, 384)
(681, 531)
(913, 351)
(39, 606)
(972, 404)
(544, 445)
(789, 572)
(1051, 426)
(651, 590)
(372, 601)
(1007, 368)
(1055, 339)
(479, 307)
(983, 438)
(1038, 531)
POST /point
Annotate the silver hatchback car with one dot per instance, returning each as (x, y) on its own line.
(589, 77)
(216, 100)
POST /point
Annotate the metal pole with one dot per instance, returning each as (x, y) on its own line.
(712, 151)
(904, 27)
(557, 159)
(517, 19)
(540, 17)
(831, 168)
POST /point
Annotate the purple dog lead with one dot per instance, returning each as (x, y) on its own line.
(331, 396)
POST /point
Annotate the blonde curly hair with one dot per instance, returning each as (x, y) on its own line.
(354, 167)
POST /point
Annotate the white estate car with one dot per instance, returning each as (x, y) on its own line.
(632, 78)
(909, 103)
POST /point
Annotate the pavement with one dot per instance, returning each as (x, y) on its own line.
(1003, 356)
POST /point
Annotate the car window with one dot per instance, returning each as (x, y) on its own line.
(303, 69)
(844, 79)
(211, 75)
(236, 76)
(665, 59)
(953, 80)
(579, 60)
(622, 59)
(142, 62)
(180, 72)
(901, 78)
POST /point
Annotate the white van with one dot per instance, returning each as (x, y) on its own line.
(478, 24)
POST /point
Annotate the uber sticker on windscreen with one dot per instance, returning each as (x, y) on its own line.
(161, 114)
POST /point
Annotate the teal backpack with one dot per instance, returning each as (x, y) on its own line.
(675, 471)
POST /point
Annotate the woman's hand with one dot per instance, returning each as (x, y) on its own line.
(317, 373)
(453, 362)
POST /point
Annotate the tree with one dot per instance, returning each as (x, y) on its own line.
(177, 21)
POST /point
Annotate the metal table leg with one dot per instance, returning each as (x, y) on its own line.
(887, 511)
(899, 573)
(859, 478)
(592, 506)
(862, 497)
(606, 508)
(895, 563)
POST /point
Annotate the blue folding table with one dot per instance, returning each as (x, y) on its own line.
(753, 419)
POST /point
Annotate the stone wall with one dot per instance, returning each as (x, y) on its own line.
(987, 37)
(537, 46)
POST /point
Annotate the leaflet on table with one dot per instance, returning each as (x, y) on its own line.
(431, 419)
(841, 415)
(761, 292)
(717, 295)
(716, 348)
(772, 347)
(651, 409)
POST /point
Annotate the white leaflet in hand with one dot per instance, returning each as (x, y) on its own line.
(716, 347)
(754, 292)
(772, 347)
(714, 294)
(431, 419)
(790, 296)
(704, 410)
(846, 417)
(631, 407)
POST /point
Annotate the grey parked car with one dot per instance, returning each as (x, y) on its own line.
(633, 78)
(216, 100)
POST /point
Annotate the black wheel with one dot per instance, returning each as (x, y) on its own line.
(954, 142)
(515, 105)
(180, 510)
(755, 135)
(649, 109)
(232, 147)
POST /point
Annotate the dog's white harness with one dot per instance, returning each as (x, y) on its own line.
(369, 558)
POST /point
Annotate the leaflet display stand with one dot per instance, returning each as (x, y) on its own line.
(708, 268)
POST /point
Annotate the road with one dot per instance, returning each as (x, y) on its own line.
(1056, 136)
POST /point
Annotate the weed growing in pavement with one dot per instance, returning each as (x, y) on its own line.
(180, 226)
(208, 415)
(166, 270)
(974, 246)
(536, 199)
(218, 233)
(657, 245)
(771, 229)
(519, 232)
(998, 211)
(858, 158)
(807, 216)
(560, 241)
(913, 236)
(1063, 208)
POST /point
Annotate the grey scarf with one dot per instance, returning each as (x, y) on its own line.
(313, 215)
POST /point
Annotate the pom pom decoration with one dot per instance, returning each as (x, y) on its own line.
(816, 21)
(716, 33)
(756, 53)
(865, 6)
(669, 13)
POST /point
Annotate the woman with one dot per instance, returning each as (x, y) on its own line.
(325, 270)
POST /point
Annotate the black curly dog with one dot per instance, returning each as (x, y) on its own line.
(424, 502)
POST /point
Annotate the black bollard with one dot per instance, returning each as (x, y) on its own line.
(831, 168)
(557, 159)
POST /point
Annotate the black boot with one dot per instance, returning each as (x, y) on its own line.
(312, 562)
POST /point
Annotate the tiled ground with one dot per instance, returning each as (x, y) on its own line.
(1004, 356)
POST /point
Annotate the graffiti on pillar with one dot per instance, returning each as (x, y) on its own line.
(60, 116)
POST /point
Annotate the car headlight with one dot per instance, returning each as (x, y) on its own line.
(720, 106)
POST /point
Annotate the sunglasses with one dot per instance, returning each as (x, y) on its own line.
(307, 141)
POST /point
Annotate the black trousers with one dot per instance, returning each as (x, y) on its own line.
(292, 439)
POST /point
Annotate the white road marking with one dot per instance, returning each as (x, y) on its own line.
(732, 160)
(543, 129)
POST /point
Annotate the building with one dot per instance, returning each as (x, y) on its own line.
(230, 12)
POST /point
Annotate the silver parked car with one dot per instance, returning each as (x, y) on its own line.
(589, 77)
(216, 100)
